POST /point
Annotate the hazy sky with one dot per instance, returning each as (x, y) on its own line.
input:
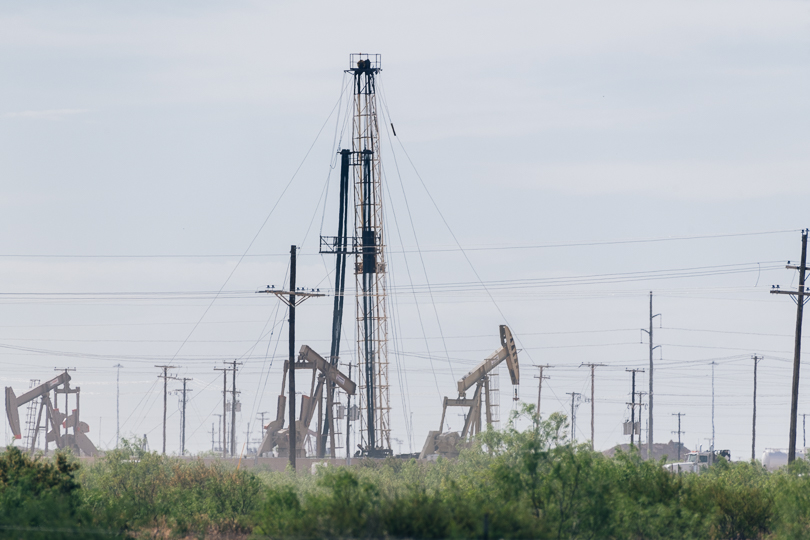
(144, 148)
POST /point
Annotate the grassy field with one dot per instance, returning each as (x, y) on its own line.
(510, 484)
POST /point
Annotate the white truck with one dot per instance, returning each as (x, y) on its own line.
(697, 461)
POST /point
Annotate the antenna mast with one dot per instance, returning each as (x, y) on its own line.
(370, 268)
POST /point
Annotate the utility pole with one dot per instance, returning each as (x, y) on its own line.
(713, 364)
(295, 297)
(804, 432)
(540, 378)
(652, 348)
(574, 401)
(219, 430)
(118, 404)
(213, 432)
(593, 409)
(799, 298)
(261, 414)
(224, 409)
(633, 407)
(165, 378)
(754, 422)
(183, 415)
(233, 363)
(640, 422)
(348, 419)
(679, 432)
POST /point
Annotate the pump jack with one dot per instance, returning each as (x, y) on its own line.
(77, 441)
(326, 374)
(447, 444)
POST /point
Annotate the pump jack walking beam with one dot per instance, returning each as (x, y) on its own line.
(323, 373)
(478, 377)
(78, 439)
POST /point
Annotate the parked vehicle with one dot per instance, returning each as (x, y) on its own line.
(697, 461)
(776, 458)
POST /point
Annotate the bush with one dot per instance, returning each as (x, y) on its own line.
(41, 499)
(136, 490)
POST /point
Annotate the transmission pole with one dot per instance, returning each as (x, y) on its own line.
(574, 402)
(165, 378)
(754, 422)
(640, 424)
(219, 432)
(540, 379)
(713, 364)
(804, 431)
(593, 409)
(295, 297)
(184, 390)
(799, 298)
(118, 404)
(652, 348)
(633, 407)
(262, 414)
(233, 363)
(679, 432)
(224, 410)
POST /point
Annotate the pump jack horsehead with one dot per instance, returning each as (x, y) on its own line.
(77, 441)
(447, 444)
(322, 372)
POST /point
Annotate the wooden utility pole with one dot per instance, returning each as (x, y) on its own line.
(633, 406)
(652, 348)
(799, 298)
(540, 378)
(713, 364)
(165, 378)
(679, 432)
(754, 422)
(224, 410)
(118, 404)
(574, 400)
(593, 409)
(233, 363)
(183, 392)
(219, 432)
(295, 298)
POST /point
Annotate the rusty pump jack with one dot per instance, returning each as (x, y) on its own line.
(326, 374)
(77, 441)
(447, 443)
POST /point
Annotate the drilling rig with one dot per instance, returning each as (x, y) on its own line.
(448, 444)
(362, 165)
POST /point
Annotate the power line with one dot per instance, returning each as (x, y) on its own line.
(423, 250)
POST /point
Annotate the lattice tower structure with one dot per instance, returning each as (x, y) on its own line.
(495, 396)
(370, 266)
(31, 418)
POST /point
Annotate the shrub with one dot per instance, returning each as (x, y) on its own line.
(41, 499)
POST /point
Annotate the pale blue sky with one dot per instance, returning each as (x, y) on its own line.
(144, 129)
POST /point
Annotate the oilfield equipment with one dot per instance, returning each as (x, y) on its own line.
(56, 419)
(323, 374)
(362, 165)
(448, 444)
